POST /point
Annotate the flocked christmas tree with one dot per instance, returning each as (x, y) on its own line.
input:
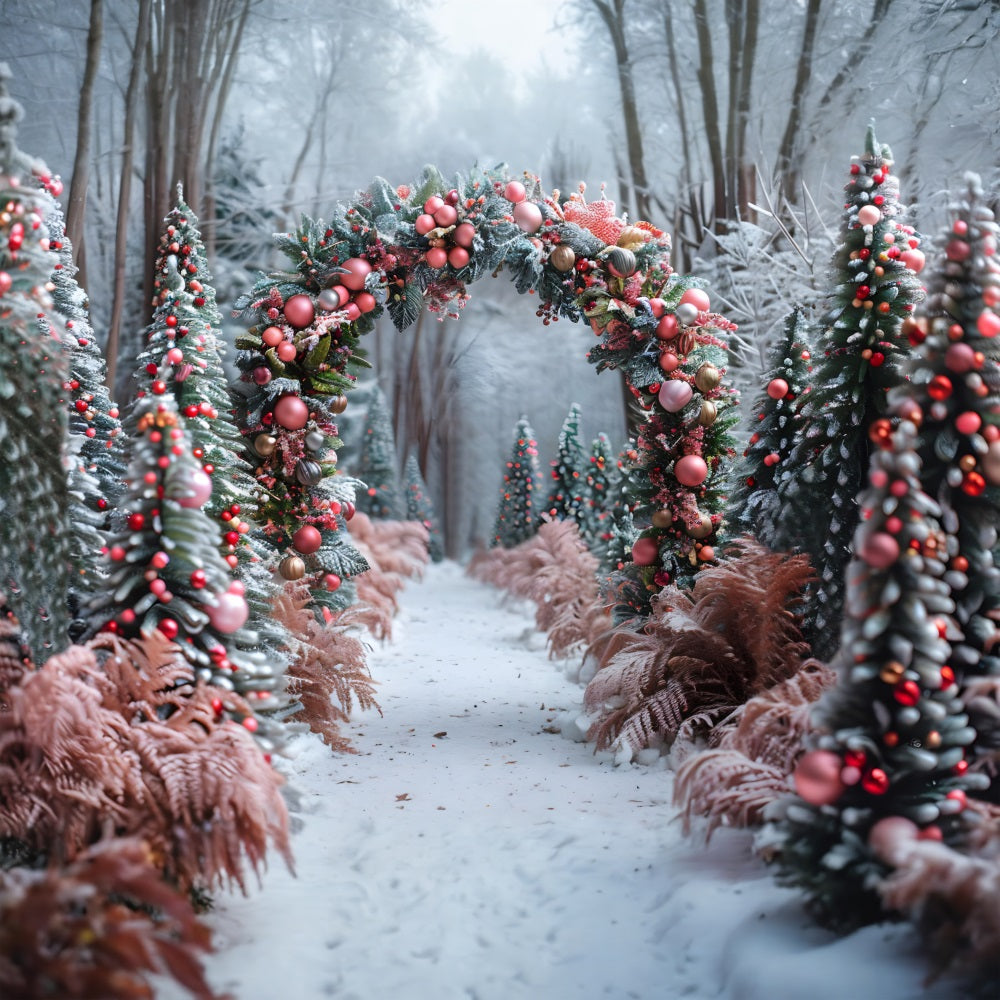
(621, 525)
(36, 541)
(517, 519)
(954, 394)
(164, 568)
(755, 505)
(858, 353)
(600, 483)
(420, 507)
(891, 762)
(377, 463)
(565, 499)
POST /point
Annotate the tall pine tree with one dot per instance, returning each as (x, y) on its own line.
(600, 481)
(377, 463)
(516, 519)
(420, 507)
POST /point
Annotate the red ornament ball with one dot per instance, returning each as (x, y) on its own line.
(817, 777)
(645, 551)
(6, 282)
(914, 260)
(307, 539)
(357, 269)
(261, 375)
(433, 203)
(365, 301)
(939, 387)
(136, 521)
(300, 311)
(668, 361)
(331, 581)
(169, 628)
(458, 257)
(959, 358)
(286, 351)
(272, 336)
(988, 323)
(777, 388)
(875, 782)
(446, 216)
(968, 422)
(198, 579)
(691, 470)
(666, 328)
(291, 412)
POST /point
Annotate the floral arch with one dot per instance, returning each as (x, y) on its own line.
(401, 249)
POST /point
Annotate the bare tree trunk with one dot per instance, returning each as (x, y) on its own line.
(733, 15)
(614, 20)
(745, 172)
(76, 211)
(710, 112)
(158, 56)
(125, 190)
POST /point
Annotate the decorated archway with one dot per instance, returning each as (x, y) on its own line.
(406, 248)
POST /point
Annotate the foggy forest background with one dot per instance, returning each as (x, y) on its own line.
(729, 123)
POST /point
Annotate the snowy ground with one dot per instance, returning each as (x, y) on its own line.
(469, 851)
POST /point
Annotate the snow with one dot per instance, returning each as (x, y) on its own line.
(471, 851)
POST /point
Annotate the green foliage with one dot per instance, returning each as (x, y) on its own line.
(420, 507)
(566, 494)
(600, 488)
(381, 497)
(516, 519)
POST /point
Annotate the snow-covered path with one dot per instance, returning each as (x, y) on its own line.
(469, 851)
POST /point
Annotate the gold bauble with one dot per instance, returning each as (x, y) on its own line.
(662, 518)
(563, 258)
(631, 237)
(967, 463)
(709, 412)
(264, 444)
(702, 528)
(707, 377)
(338, 404)
(891, 672)
(292, 568)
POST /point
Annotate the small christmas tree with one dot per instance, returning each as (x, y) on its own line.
(861, 348)
(566, 494)
(164, 568)
(36, 539)
(420, 507)
(600, 482)
(755, 504)
(621, 525)
(377, 463)
(516, 520)
(892, 760)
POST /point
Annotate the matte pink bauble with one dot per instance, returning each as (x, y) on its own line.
(777, 388)
(957, 250)
(696, 297)
(960, 358)
(657, 307)
(666, 329)
(433, 203)
(446, 216)
(198, 487)
(458, 257)
(424, 224)
(365, 301)
(914, 260)
(869, 215)
(272, 336)
(286, 351)
(352, 312)
(817, 777)
(229, 613)
(674, 395)
(668, 361)
(357, 270)
(6, 282)
(291, 413)
(515, 192)
(261, 375)
(175, 355)
(891, 833)
(645, 551)
(991, 464)
(436, 257)
(528, 216)
(691, 470)
(464, 234)
(299, 311)
(307, 539)
(988, 323)
(968, 422)
(880, 550)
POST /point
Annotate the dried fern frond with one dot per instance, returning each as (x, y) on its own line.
(88, 930)
(398, 547)
(327, 668)
(702, 653)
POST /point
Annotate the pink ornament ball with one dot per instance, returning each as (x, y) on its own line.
(666, 329)
(957, 250)
(365, 301)
(674, 395)
(436, 257)
(515, 192)
(960, 358)
(691, 470)
(968, 422)
(657, 307)
(880, 550)
(424, 224)
(331, 581)
(458, 257)
(464, 234)
(777, 388)
(988, 323)
(528, 216)
(668, 362)
(352, 311)
(175, 355)
(272, 336)
(433, 203)
(299, 311)
(286, 351)
(869, 215)
(291, 412)
(357, 270)
(446, 216)
(229, 613)
(6, 282)
(645, 551)
(307, 539)
(817, 777)
(914, 260)
(696, 297)
(890, 834)
(198, 488)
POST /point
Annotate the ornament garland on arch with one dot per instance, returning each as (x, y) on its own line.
(399, 249)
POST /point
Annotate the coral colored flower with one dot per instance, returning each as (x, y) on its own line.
(598, 217)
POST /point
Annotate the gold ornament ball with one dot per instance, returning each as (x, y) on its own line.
(709, 412)
(563, 258)
(621, 262)
(967, 463)
(703, 527)
(292, 568)
(264, 444)
(662, 518)
(338, 404)
(707, 377)
(631, 237)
